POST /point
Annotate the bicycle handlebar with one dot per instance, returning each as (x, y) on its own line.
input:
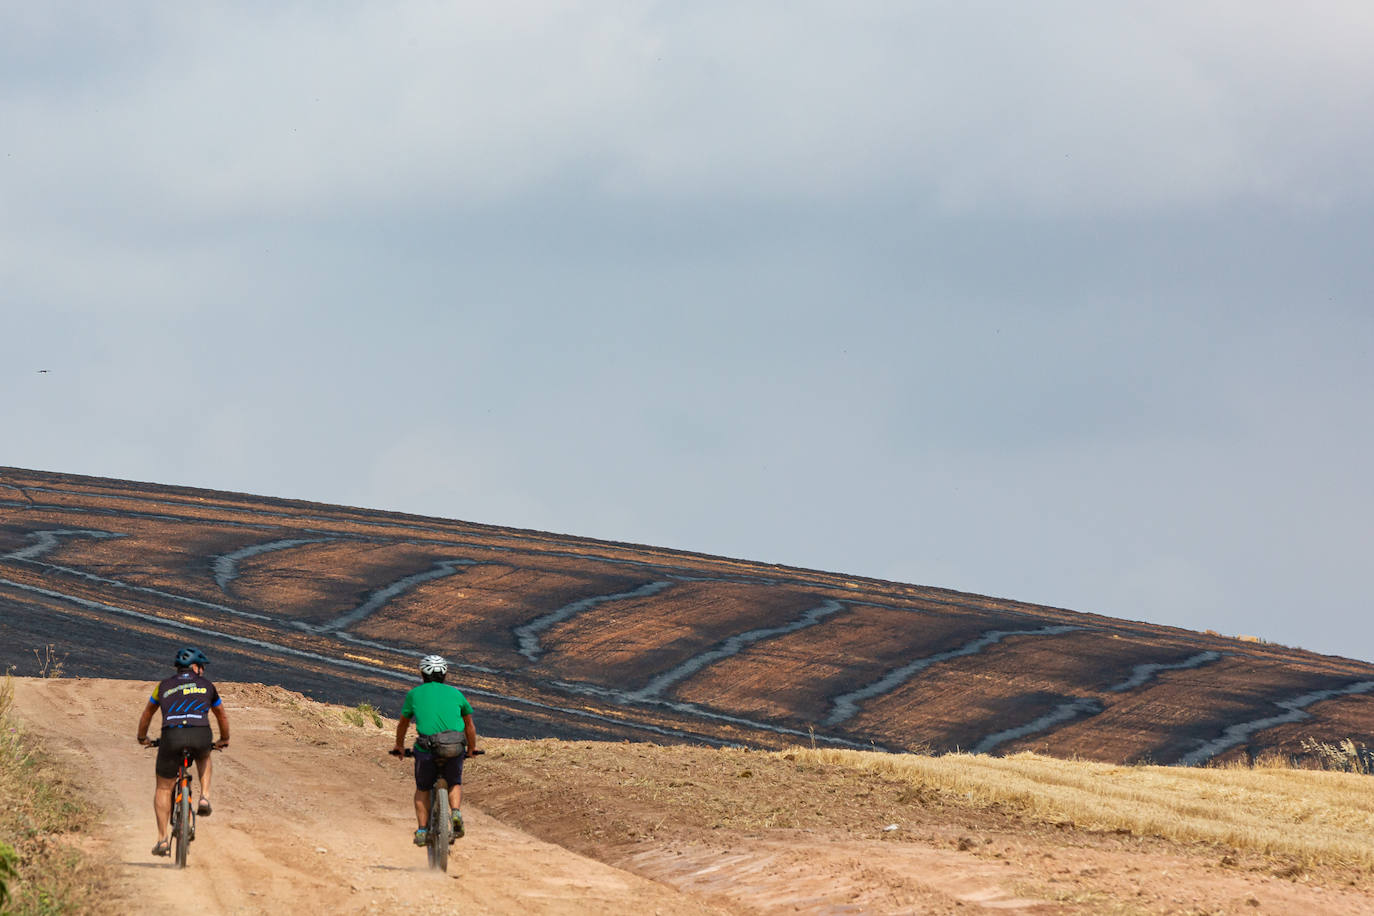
(217, 746)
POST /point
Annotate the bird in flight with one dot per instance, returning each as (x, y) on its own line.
(41, 371)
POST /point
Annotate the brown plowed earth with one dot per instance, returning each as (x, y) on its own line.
(618, 642)
(856, 646)
(310, 815)
(486, 602)
(314, 582)
(561, 636)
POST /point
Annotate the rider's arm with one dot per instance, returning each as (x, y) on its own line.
(145, 720)
(222, 718)
(470, 731)
(402, 725)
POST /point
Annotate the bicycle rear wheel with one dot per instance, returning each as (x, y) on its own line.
(181, 831)
(440, 828)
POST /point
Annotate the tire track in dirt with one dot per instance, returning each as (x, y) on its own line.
(48, 540)
(1142, 674)
(379, 598)
(774, 876)
(695, 711)
(1068, 711)
(527, 634)
(1082, 707)
(138, 589)
(1296, 711)
(846, 706)
(729, 648)
(226, 566)
(20, 490)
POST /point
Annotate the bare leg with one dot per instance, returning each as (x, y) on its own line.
(162, 807)
(455, 797)
(204, 769)
(422, 807)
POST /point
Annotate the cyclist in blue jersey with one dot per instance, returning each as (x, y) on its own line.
(186, 700)
(439, 712)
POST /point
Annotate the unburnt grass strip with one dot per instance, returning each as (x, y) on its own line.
(1312, 817)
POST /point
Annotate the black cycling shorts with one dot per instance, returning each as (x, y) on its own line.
(428, 768)
(197, 737)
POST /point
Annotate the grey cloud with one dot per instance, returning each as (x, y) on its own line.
(1064, 108)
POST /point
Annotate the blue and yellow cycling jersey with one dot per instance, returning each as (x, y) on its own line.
(185, 700)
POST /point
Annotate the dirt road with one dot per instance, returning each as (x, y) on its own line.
(309, 816)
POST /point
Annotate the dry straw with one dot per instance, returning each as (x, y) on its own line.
(1313, 815)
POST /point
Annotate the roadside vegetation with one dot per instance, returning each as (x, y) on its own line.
(42, 871)
(1346, 756)
(363, 714)
(1315, 816)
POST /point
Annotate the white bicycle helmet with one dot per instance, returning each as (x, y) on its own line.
(434, 664)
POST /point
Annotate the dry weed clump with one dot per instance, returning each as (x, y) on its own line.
(46, 874)
(51, 663)
(1315, 816)
(1345, 756)
(362, 714)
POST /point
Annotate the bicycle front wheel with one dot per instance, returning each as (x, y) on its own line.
(181, 831)
(440, 829)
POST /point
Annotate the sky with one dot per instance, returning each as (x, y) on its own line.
(1066, 302)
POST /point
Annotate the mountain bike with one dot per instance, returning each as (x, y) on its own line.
(183, 821)
(439, 836)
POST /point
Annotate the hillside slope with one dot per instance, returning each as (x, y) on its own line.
(569, 637)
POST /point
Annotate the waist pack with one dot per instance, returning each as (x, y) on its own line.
(444, 744)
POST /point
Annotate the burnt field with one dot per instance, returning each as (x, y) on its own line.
(559, 636)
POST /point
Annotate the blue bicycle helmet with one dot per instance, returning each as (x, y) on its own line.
(191, 656)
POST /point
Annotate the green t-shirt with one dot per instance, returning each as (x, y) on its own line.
(436, 707)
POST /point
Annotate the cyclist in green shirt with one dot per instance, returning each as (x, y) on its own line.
(436, 707)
